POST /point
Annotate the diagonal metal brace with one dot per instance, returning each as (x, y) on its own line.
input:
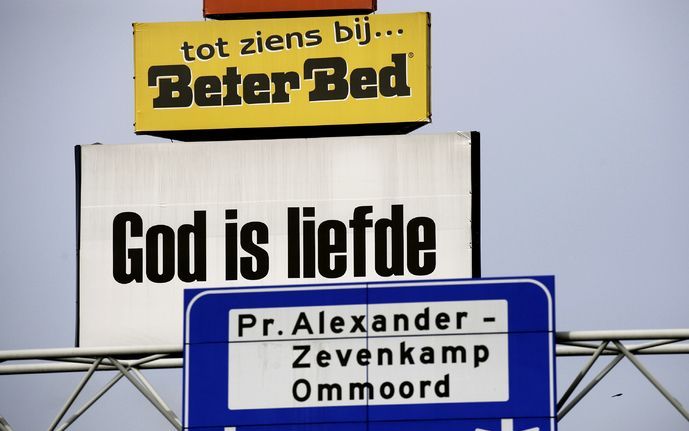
(676, 404)
(169, 415)
(4, 426)
(75, 394)
(563, 411)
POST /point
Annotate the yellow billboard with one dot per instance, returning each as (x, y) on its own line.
(291, 77)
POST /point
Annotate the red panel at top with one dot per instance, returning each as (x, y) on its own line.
(240, 8)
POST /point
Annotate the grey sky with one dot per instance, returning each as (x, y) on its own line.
(582, 106)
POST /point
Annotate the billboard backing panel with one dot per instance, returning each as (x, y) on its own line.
(298, 77)
(155, 219)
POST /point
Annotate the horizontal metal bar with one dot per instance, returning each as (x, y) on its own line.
(49, 367)
(42, 368)
(631, 334)
(14, 355)
(611, 351)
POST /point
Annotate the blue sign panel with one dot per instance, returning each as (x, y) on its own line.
(453, 354)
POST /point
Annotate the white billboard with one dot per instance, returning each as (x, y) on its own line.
(157, 218)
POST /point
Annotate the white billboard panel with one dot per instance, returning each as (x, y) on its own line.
(157, 218)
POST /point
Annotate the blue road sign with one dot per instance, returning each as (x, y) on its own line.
(454, 354)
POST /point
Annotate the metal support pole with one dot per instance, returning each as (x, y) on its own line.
(172, 419)
(75, 394)
(581, 374)
(652, 379)
(590, 386)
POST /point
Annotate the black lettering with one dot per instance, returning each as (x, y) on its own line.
(221, 44)
(186, 51)
(167, 271)
(231, 245)
(251, 246)
(441, 320)
(302, 323)
(296, 36)
(358, 224)
(329, 392)
(208, 91)
(383, 353)
(363, 83)
(400, 322)
(450, 354)
(406, 354)
(480, 355)
(280, 80)
(393, 79)
(461, 315)
(208, 54)
(323, 359)
(293, 249)
(353, 387)
(259, 42)
(245, 321)
(337, 248)
(363, 357)
(442, 387)
(406, 389)
(424, 384)
(298, 362)
(314, 38)
(427, 355)
(421, 249)
(387, 390)
(309, 238)
(274, 42)
(246, 47)
(232, 79)
(395, 225)
(343, 357)
(121, 254)
(342, 33)
(184, 243)
(173, 86)
(336, 324)
(379, 323)
(307, 390)
(358, 324)
(256, 88)
(422, 320)
(327, 86)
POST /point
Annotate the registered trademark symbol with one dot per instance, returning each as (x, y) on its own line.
(411, 55)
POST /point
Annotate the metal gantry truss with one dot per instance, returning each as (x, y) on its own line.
(130, 362)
